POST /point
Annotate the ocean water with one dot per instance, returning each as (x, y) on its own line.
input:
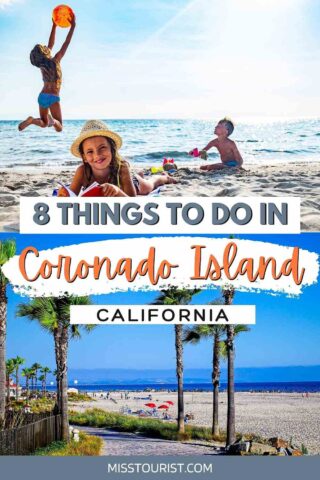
(294, 387)
(147, 142)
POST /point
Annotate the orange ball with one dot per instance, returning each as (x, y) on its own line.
(62, 16)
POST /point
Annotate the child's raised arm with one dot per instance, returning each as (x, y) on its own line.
(211, 144)
(52, 36)
(67, 41)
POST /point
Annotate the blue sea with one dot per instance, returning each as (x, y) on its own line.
(147, 142)
(294, 387)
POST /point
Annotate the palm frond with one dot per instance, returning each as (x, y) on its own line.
(41, 309)
(223, 351)
(176, 296)
(50, 312)
(241, 329)
(191, 336)
(7, 251)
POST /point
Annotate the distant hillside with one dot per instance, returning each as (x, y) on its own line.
(242, 375)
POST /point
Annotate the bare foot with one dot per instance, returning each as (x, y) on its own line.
(57, 126)
(50, 121)
(167, 179)
(25, 124)
(214, 167)
(54, 123)
(171, 180)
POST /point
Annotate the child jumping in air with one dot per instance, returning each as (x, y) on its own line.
(228, 150)
(98, 147)
(49, 99)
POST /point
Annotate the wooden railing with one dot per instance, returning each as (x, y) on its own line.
(26, 439)
(17, 419)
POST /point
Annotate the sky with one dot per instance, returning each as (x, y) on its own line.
(286, 333)
(249, 59)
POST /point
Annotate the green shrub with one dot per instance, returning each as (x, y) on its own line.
(150, 427)
(88, 445)
(80, 397)
(50, 449)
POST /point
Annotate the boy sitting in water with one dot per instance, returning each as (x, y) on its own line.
(229, 153)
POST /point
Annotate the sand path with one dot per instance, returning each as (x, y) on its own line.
(123, 443)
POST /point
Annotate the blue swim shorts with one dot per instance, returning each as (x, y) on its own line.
(45, 100)
(232, 163)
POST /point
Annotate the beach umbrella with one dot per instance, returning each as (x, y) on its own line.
(169, 402)
(150, 405)
(163, 407)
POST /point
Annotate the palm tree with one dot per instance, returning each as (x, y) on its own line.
(219, 351)
(27, 373)
(9, 372)
(44, 371)
(42, 379)
(35, 367)
(176, 296)
(7, 250)
(17, 362)
(228, 293)
(33, 378)
(194, 335)
(53, 314)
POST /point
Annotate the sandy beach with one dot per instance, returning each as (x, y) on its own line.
(286, 415)
(292, 179)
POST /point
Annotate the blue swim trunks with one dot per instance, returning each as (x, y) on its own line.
(231, 163)
(45, 100)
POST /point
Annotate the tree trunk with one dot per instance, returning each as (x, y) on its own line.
(56, 336)
(63, 381)
(215, 383)
(27, 387)
(179, 364)
(8, 388)
(17, 381)
(36, 381)
(231, 428)
(3, 324)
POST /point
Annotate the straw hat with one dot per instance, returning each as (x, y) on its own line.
(94, 128)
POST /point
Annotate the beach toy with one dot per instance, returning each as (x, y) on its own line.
(203, 154)
(199, 153)
(156, 169)
(167, 161)
(169, 165)
(62, 16)
(195, 152)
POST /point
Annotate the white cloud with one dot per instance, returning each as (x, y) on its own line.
(7, 3)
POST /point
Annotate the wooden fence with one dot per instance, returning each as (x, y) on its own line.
(25, 440)
(17, 419)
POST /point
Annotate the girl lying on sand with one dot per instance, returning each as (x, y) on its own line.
(49, 99)
(98, 147)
